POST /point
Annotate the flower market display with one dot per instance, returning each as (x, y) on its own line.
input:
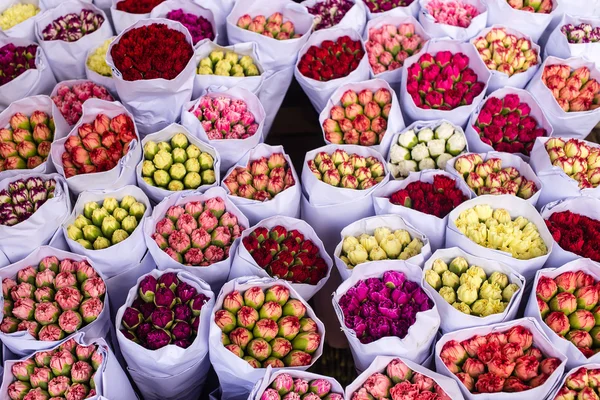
(582, 33)
(505, 52)
(425, 148)
(97, 60)
(137, 6)
(227, 64)
(167, 311)
(272, 26)
(469, 289)
(329, 13)
(196, 233)
(577, 159)
(575, 233)
(389, 45)
(23, 197)
(379, 6)
(98, 146)
(582, 383)
(497, 230)
(332, 59)
(285, 386)
(360, 118)
(199, 27)
(382, 307)
(383, 244)
(25, 143)
(534, 6)
(262, 179)
(15, 61)
(488, 177)
(177, 165)
(267, 327)
(225, 118)
(68, 371)
(69, 100)
(53, 299)
(506, 125)
(454, 13)
(574, 90)
(17, 13)
(72, 27)
(505, 362)
(350, 171)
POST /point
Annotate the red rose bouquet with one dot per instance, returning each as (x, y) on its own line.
(574, 90)
(331, 60)
(138, 6)
(576, 233)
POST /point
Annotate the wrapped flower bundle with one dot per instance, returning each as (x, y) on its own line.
(573, 90)
(383, 307)
(53, 299)
(167, 311)
(138, 6)
(197, 234)
(329, 13)
(272, 27)
(26, 142)
(104, 225)
(379, 6)
(437, 198)
(227, 64)
(150, 61)
(469, 289)
(488, 177)
(383, 244)
(284, 386)
(583, 383)
(266, 327)
(65, 372)
(427, 148)
(177, 164)
(262, 179)
(200, 28)
(505, 362)
(331, 60)
(72, 27)
(69, 100)
(23, 198)
(16, 60)
(567, 304)
(454, 13)
(534, 6)
(577, 159)
(443, 81)
(582, 33)
(575, 233)
(98, 146)
(388, 46)
(286, 255)
(360, 118)
(225, 118)
(16, 14)
(505, 124)
(97, 60)
(349, 171)
(495, 229)
(506, 53)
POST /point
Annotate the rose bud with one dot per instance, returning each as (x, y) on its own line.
(58, 386)
(132, 318)
(594, 378)
(579, 338)
(182, 312)
(27, 274)
(197, 303)
(147, 288)
(566, 282)
(501, 366)
(587, 297)
(514, 384)
(558, 322)
(62, 362)
(68, 298)
(90, 309)
(81, 372)
(64, 279)
(24, 309)
(521, 336)
(254, 297)
(22, 370)
(22, 291)
(489, 383)
(473, 367)
(181, 330)
(84, 353)
(235, 349)
(46, 313)
(7, 285)
(18, 390)
(241, 337)
(247, 317)
(70, 321)
(259, 349)
(142, 331)
(162, 317)
(582, 319)
(297, 358)
(277, 293)
(9, 324)
(84, 271)
(157, 339)
(564, 302)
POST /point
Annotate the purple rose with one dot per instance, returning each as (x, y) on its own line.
(389, 309)
(374, 284)
(378, 327)
(399, 296)
(349, 304)
(394, 279)
(410, 286)
(368, 309)
(384, 294)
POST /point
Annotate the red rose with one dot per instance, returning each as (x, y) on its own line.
(485, 117)
(285, 257)
(298, 274)
(262, 257)
(493, 105)
(511, 102)
(277, 269)
(493, 133)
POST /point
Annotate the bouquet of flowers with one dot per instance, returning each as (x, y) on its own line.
(96, 60)
(137, 6)
(17, 13)
(581, 382)
(579, 160)
(272, 26)
(23, 197)
(574, 90)
(533, 6)
(329, 13)
(456, 19)
(227, 64)
(455, 13)
(200, 28)
(331, 59)
(225, 118)
(389, 45)
(69, 99)
(297, 385)
(72, 27)
(381, 6)
(581, 33)
(16, 60)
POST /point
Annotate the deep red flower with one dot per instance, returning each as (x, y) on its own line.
(331, 60)
(576, 233)
(138, 6)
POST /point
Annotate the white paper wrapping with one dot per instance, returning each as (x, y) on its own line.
(220, 10)
(106, 81)
(122, 20)
(531, 24)
(412, 9)
(270, 375)
(415, 345)
(48, 4)
(355, 18)
(236, 376)
(436, 29)
(430, 225)
(559, 46)
(516, 207)
(172, 371)
(286, 203)
(24, 30)
(22, 343)
(368, 226)
(215, 274)
(587, 365)
(540, 340)
(157, 194)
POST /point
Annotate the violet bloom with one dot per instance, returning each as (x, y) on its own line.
(72, 27)
(329, 13)
(16, 60)
(200, 28)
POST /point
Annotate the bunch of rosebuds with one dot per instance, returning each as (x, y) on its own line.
(68, 372)
(383, 244)
(506, 53)
(350, 171)
(53, 299)
(331, 60)
(582, 33)
(582, 383)
(286, 254)
(577, 159)
(534, 6)
(227, 64)
(199, 27)
(573, 90)
(488, 177)
(360, 118)
(262, 179)
(167, 311)
(16, 60)
(17, 13)
(69, 100)
(499, 362)
(197, 233)
(272, 27)
(72, 27)
(299, 388)
(267, 327)
(23, 198)
(26, 142)
(378, 6)
(225, 118)
(99, 145)
(388, 46)
(454, 13)
(104, 225)
(97, 60)
(329, 13)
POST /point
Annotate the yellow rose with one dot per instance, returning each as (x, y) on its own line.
(97, 60)
(502, 216)
(16, 14)
(484, 211)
